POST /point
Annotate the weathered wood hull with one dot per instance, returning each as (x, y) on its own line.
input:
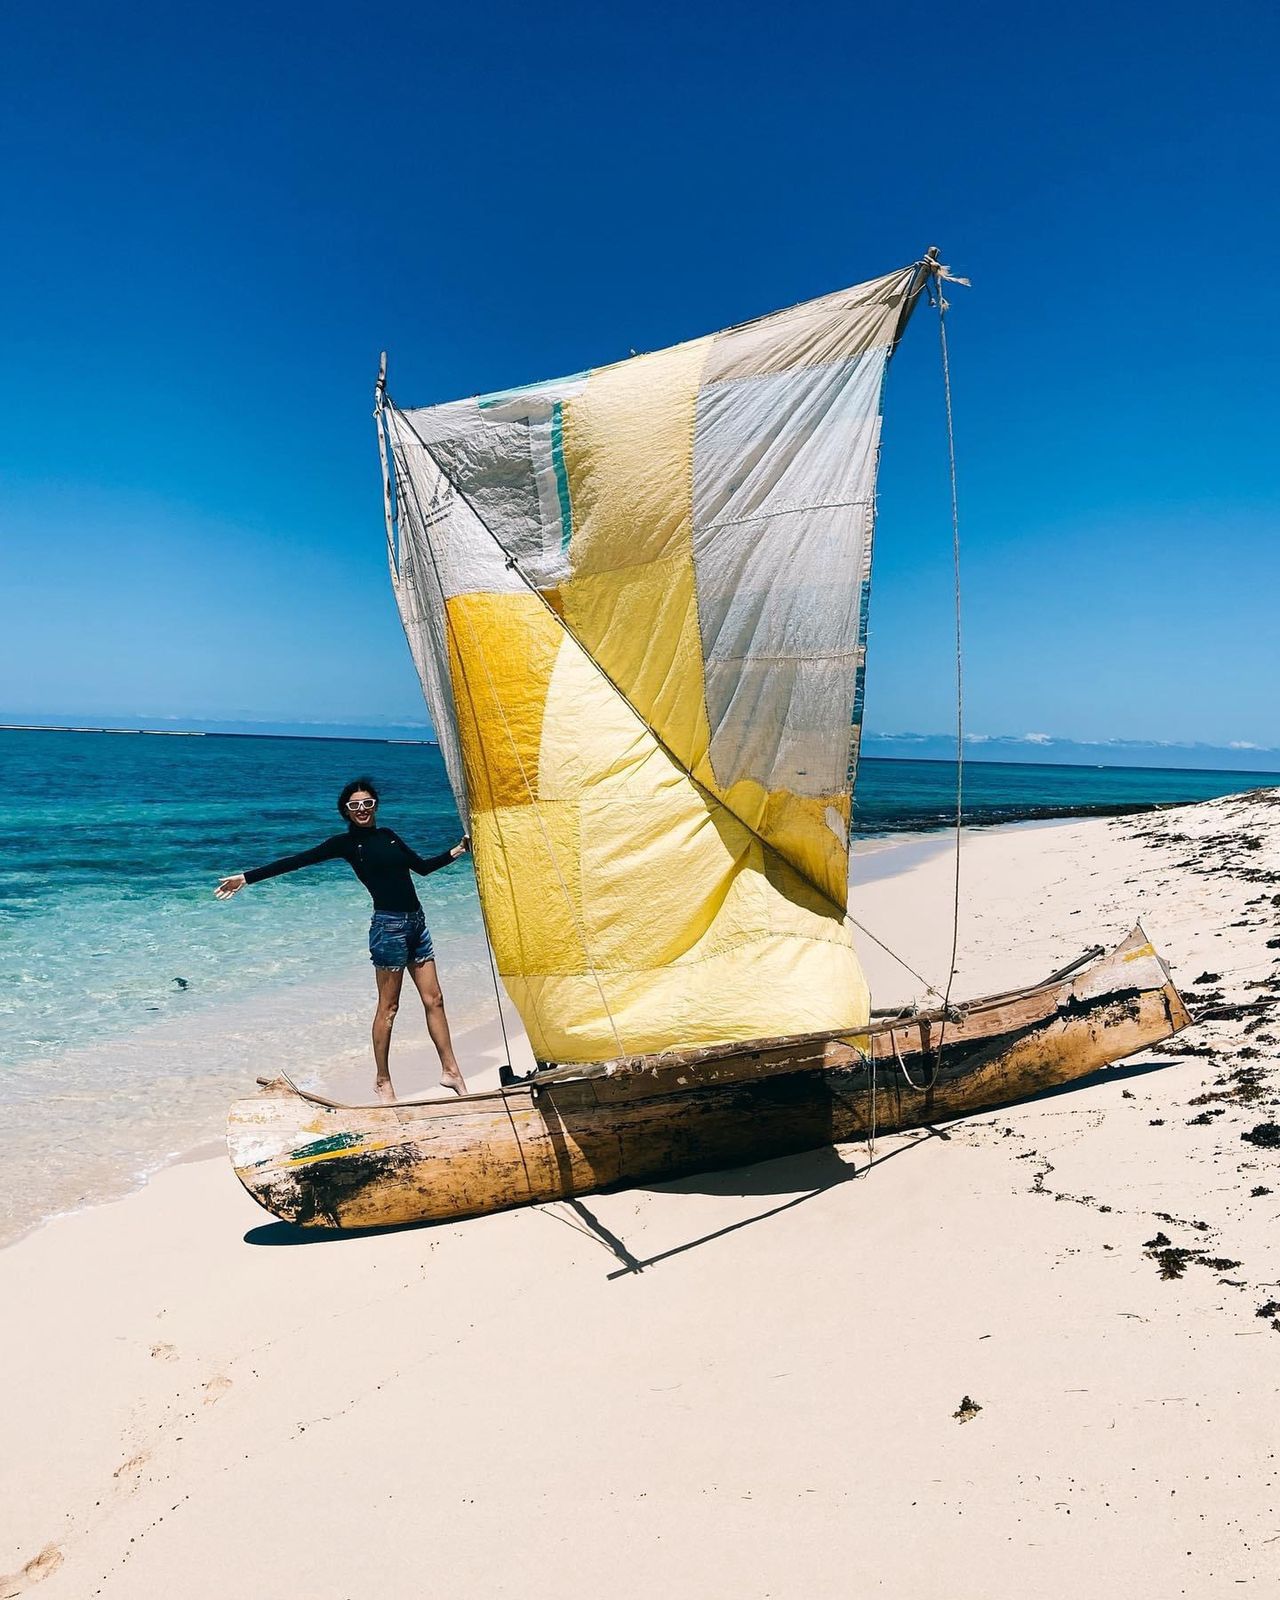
(576, 1130)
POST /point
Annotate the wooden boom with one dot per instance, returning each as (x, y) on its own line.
(576, 1129)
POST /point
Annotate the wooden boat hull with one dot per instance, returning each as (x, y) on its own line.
(573, 1131)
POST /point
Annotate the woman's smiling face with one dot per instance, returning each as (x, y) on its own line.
(362, 808)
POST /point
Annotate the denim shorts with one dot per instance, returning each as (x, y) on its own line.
(399, 939)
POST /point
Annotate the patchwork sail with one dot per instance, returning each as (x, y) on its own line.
(637, 602)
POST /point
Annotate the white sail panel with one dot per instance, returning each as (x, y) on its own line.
(782, 524)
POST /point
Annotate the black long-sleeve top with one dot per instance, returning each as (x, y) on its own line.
(379, 858)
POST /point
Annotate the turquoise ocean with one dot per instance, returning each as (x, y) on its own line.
(133, 1005)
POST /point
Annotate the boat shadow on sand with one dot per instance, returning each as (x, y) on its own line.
(801, 1178)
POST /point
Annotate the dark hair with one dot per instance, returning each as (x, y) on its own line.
(348, 789)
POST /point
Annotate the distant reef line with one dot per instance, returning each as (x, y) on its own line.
(1036, 750)
(207, 733)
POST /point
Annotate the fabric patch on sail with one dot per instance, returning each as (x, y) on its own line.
(431, 534)
(784, 488)
(836, 327)
(629, 599)
(505, 452)
(502, 648)
(721, 999)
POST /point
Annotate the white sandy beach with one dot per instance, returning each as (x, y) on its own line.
(754, 1391)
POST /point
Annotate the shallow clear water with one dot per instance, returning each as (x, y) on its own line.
(110, 846)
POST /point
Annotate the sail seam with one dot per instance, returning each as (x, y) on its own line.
(771, 655)
(695, 594)
(741, 941)
(800, 366)
(783, 511)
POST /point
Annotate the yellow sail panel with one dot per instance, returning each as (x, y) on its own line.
(631, 597)
(501, 655)
(628, 911)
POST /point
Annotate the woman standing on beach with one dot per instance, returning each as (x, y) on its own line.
(398, 936)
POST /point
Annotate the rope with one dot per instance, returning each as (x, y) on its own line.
(920, 1088)
(871, 1136)
(929, 988)
(941, 274)
(506, 1050)
(933, 271)
(955, 556)
(515, 1134)
(497, 999)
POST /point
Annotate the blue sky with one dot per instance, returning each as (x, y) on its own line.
(221, 215)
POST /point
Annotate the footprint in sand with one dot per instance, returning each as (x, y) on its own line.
(215, 1388)
(42, 1566)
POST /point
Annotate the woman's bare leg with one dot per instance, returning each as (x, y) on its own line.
(428, 986)
(389, 981)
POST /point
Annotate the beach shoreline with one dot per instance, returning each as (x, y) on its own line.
(336, 1008)
(347, 1071)
(759, 1387)
(328, 1016)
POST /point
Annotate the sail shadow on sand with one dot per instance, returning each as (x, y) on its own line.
(814, 1172)
(822, 1169)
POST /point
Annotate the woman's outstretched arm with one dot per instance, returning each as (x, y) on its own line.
(425, 864)
(328, 851)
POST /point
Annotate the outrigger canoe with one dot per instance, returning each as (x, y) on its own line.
(572, 1130)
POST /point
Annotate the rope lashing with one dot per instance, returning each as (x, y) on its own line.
(506, 1050)
(938, 274)
(871, 1132)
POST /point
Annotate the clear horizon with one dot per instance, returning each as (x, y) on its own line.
(191, 506)
(1015, 750)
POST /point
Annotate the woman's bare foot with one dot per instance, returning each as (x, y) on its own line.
(453, 1080)
(382, 1088)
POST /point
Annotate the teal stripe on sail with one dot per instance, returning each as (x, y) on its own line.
(562, 477)
(532, 391)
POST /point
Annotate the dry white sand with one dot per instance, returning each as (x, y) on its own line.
(767, 1407)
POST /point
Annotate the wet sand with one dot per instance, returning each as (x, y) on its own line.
(1035, 1353)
